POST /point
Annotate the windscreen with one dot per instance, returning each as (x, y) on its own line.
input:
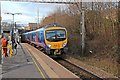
(55, 35)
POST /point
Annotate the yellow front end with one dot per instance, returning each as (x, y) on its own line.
(56, 46)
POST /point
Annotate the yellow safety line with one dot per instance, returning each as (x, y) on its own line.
(37, 66)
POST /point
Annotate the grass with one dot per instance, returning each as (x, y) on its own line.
(105, 64)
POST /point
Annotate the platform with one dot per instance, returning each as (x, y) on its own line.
(21, 65)
(32, 63)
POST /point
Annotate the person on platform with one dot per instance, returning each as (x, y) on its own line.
(14, 43)
(4, 46)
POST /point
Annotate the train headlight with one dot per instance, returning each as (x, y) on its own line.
(49, 45)
(64, 44)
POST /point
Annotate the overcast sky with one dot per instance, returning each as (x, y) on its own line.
(28, 10)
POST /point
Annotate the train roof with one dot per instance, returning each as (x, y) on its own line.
(55, 24)
(39, 29)
(48, 26)
(28, 32)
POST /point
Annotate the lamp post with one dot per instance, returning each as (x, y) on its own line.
(13, 28)
(1, 35)
(13, 18)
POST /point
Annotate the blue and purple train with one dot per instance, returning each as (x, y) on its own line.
(52, 38)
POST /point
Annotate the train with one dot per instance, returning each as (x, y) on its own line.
(53, 38)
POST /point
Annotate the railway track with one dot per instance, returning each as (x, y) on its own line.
(77, 70)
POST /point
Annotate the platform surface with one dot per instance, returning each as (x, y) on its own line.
(21, 65)
(30, 63)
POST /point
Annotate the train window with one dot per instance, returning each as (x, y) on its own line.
(55, 35)
(50, 34)
(39, 36)
(30, 36)
(61, 34)
(34, 36)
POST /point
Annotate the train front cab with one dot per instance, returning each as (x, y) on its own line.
(56, 45)
(24, 38)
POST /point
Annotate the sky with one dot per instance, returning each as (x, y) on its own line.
(29, 11)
